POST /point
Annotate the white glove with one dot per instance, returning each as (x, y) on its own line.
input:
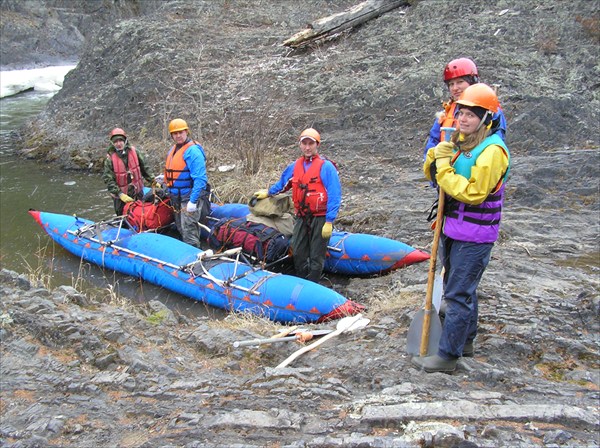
(191, 207)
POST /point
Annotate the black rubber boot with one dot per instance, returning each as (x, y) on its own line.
(468, 350)
(434, 363)
(314, 276)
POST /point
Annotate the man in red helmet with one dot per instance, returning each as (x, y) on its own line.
(458, 75)
(317, 194)
(124, 171)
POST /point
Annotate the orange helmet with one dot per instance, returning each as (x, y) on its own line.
(462, 67)
(480, 95)
(117, 131)
(312, 134)
(178, 125)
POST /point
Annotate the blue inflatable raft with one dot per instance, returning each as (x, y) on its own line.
(219, 280)
(352, 254)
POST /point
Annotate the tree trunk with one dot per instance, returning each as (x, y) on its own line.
(336, 23)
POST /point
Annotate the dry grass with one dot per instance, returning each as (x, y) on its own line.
(39, 273)
(111, 297)
(248, 322)
(388, 302)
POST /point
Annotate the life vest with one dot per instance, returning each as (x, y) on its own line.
(177, 173)
(308, 192)
(476, 223)
(447, 120)
(129, 175)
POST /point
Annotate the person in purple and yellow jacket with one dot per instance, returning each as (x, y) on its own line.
(124, 171)
(187, 182)
(471, 169)
(317, 194)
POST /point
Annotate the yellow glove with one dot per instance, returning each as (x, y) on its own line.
(326, 231)
(444, 150)
(156, 185)
(261, 194)
(125, 198)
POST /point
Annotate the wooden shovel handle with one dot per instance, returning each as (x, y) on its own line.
(431, 275)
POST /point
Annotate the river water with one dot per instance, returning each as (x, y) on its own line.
(25, 248)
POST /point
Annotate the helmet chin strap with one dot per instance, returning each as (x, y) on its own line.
(483, 119)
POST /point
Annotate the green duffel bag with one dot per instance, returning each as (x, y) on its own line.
(271, 207)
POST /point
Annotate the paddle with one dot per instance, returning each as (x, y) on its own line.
(426, 329)
(349, 323)
(298, 336)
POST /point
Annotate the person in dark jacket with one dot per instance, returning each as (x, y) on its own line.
(124, 171)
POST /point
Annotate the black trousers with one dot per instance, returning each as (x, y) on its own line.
(309, 247)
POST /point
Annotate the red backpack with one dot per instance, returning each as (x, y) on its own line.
(152, 215)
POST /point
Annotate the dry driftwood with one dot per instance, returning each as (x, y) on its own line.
(341, 21)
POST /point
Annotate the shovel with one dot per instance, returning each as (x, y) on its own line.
(349, 323)
(426, 329)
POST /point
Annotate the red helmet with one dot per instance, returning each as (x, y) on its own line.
(461, 67)
(117, 131)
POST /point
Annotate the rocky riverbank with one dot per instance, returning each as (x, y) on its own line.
(82, 373)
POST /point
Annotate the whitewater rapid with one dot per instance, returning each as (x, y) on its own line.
(47, 79)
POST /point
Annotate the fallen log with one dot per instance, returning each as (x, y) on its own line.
(336, 23)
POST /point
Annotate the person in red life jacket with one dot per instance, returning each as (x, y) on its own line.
(458, 75)
(187, 182)
(472, 170)
(124, 171)
(317, 194)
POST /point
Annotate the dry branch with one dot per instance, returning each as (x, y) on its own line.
(341, 21)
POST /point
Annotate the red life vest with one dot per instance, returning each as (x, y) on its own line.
(177, 173)
(448, 120)
(130, 174)
(308, 192)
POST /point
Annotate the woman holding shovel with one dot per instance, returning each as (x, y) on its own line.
(471, 169)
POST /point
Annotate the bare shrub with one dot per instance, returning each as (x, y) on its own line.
(591, 25)
(251, 135)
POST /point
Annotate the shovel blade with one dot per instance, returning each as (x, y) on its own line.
(415, 331)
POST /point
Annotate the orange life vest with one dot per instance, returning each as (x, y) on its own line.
(308, 192)
(177, 174)
(130, 174)
(448, 120)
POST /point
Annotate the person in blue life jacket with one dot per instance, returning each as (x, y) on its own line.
(317, 194)
(187, 182)
(124, 171)
(458, 75)
(471, 169)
